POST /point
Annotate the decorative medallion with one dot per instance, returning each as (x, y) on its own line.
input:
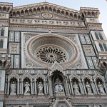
(47, 15)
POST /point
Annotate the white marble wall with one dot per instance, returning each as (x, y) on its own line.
(2, 80)
(1, 104)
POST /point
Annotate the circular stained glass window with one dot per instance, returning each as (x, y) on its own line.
(50, 54)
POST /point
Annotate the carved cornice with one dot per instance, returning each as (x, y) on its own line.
(32, 9)
(93, 26)
(89, 12)
(6, 7)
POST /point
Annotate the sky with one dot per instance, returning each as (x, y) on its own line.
(73, 4)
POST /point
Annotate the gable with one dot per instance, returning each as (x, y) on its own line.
(38, 10)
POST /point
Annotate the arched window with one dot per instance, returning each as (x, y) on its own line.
(100, 35)
(0, 63)
(2, 32)
(96, 35)
(105, 46)
(1, 43)
(101, 47)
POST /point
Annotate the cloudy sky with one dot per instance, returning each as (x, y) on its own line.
(74, 4)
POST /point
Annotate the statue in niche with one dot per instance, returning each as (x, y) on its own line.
(27, 88)
(40, 88)
(88, 88)
(13, 88)
(100, 88)
(58, 86)
(76, 88)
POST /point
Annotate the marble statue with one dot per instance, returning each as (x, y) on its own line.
(58, 86)
(76, 88)
(13, 89)
(40, 88)
(100, 88)
(27, 89)
(88, 88)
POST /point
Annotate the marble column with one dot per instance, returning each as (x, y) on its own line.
(69, 86)
(50, 87)
(45, 87)
(84, 86)
(8, 87)
(18, 87)
(93, 87)
(96, 87)
(105, 87)
(35, 87)
(31, 88)
(21, 87)
(81, 85)
(66, 87)
(72, 92)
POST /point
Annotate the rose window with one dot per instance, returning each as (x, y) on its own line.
(50, 54)
(49, 48)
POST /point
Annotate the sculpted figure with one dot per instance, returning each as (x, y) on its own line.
(76, 88)
(40, 88)
(100, 88)
(58, 86)
(88, 88)
(27, 89)
(13, 89)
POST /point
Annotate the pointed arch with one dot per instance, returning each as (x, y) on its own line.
(50, 9)
(42, 8)
(38, 9)
(1, 43)
(58, 11)
(67, 13)
(22, 12)
(4, 8)
(34, 9)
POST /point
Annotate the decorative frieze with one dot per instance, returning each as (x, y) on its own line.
(46, 22)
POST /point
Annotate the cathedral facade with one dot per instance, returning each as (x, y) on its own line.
(52, 56)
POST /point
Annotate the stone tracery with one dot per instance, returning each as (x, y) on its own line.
(51, 54)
